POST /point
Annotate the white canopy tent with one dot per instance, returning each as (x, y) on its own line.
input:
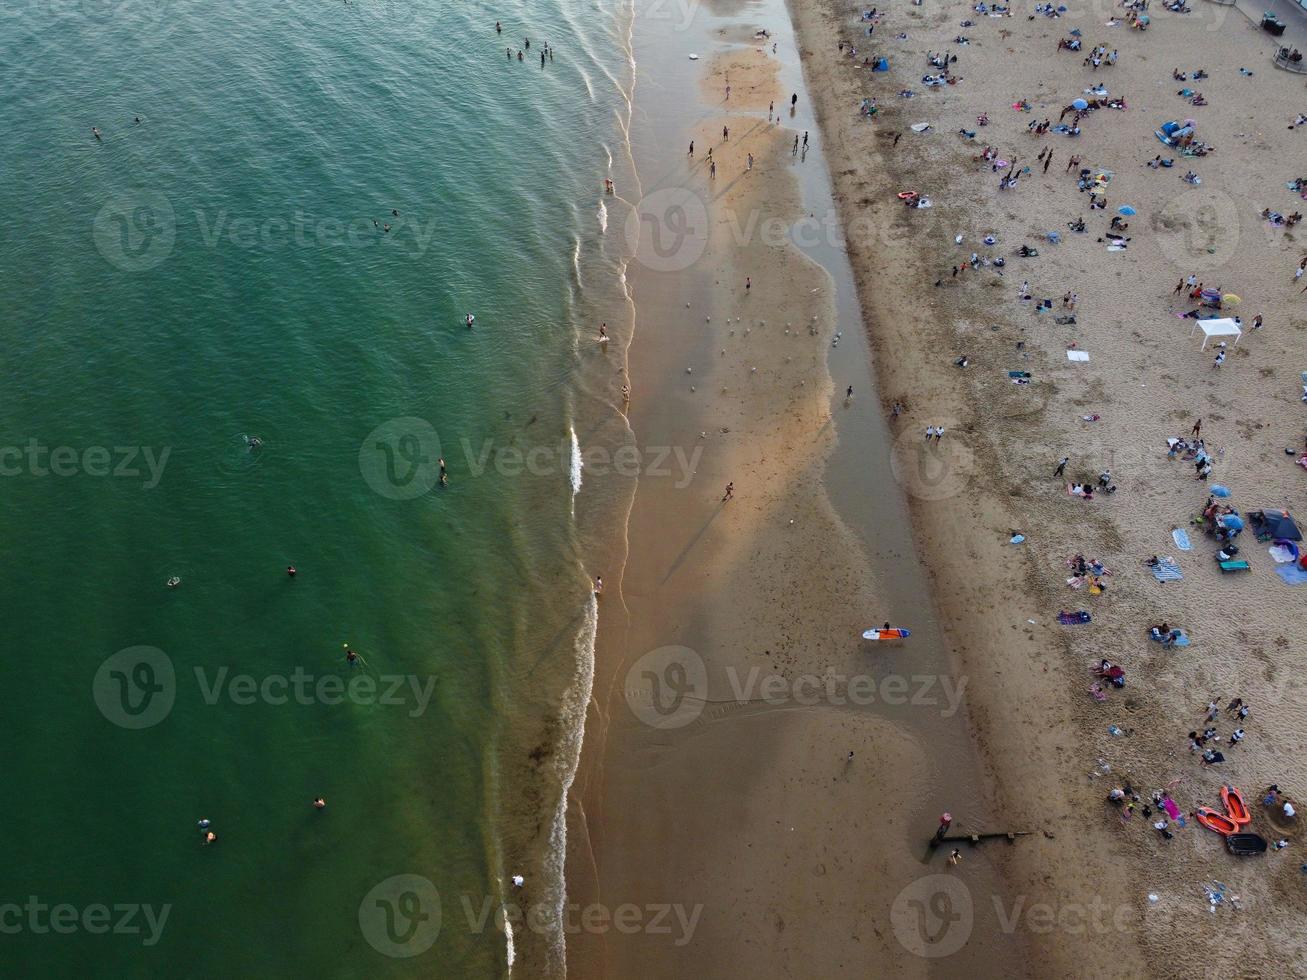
(1221, 327)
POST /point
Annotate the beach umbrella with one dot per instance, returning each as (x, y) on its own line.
(1211, 294)
(1220, 491)
(1080, 104)
(1127, 209)
(1232, 299)
(1232, 521)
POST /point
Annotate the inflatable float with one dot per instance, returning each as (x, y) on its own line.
(1218, 822)
(1235, 806)
(893, 633)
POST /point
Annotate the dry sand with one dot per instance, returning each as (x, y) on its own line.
(1042, 733)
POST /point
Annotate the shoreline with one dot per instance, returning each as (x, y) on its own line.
(622, 826)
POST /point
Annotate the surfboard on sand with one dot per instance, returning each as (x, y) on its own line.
(894, 633)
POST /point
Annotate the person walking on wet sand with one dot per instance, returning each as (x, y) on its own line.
(726, 134)
(945, 821)
(771, 108)
(691, 147)
(712, 170)
(730, 492)
(805, 139)
(1061, 465)
(794, 100)
(796, 144)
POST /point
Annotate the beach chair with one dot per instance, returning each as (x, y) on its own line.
(1235, 566)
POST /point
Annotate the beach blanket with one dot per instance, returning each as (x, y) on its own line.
(1181, 538)
(1292, 574)
(1073, 618)
(1166, 570)
(1282, 553)
(1171, 809)
(1077, 355)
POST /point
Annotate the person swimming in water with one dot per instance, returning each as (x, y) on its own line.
(603, 333)
(351, 657)
(290, 571)
(470, 320)
(319, 803)
(95, 132)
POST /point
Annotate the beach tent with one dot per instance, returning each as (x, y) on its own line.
(881, 65)
(1217, 327)
(1280, 526)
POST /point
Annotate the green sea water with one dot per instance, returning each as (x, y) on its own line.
(216, 365)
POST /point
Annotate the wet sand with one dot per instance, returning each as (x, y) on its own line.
(747, 755)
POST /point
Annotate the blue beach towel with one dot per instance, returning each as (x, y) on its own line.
(1181, 538)
(1292, 574)
(1166, 570)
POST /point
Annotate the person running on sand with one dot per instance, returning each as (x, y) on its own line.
(730, 492)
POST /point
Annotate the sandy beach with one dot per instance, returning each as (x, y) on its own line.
(780, 799)
(1048, 741)
(798, 830)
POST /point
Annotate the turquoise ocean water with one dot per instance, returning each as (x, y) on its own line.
(210, 275)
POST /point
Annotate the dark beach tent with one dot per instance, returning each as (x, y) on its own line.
(1280, 524)
(881, 65)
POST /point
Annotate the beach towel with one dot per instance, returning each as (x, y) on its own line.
(1181, 538)
(1171, 809)
(1166, 570)
(1077, 355)
(1181, 640)
(1282, 554)
(1073, 618)
(1292, 574)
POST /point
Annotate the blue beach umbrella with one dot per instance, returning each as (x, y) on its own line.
(1232, 521)
(1127, 209)
(1075, 32)
(1080, 104)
